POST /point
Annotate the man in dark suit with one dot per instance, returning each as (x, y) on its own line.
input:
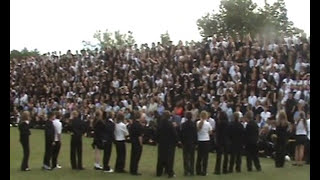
(251, 141)
(49, 141)
(77, 130)
(24, 139)
(235, 132)
(166, 137)
(135, 132)
(189, 141)
(107, 139)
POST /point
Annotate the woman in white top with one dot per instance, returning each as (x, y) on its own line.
(120, 133)
(301, 138)
(204, 131)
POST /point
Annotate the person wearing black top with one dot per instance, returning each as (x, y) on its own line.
(135, 132)
(236, 131)
(251, 141)
(107, 133)
(189, 141)
(77, 130)
(282, 139)
(24, 139)
(98, 127)
(49, 141)
(222, 142)
(166, 137)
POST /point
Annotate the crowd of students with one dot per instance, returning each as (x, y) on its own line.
(221, 74)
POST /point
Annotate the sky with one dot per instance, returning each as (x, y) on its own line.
(59, 25)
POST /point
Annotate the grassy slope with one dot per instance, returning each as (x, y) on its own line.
(147, 164)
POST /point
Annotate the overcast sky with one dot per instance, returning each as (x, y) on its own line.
(59, 25)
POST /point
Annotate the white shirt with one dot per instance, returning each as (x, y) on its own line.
(212, 123)
(57, 128)
(300, 129)
(203, 133)
(265, 115)
(252, 100)
(120, 131)
(308, 127)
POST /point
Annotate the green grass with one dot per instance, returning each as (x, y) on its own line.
(147, 164)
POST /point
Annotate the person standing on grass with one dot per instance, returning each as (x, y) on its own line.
(24, 139)
(98, 128)
(307, 149)
(166, 137)
(251, 138)
(301, 138)
(204, 130)
(77, 130)
(236, 132)
(107, 139)
(189, 141)
(49, 141)
(282, 138)
(222, 142)
(120, 134)
(57, 140)
(135, 132)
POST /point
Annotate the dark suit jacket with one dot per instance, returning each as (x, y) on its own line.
(49, 131)
(189, 133)
(251, 133)
(77, 127)
(235, 134)
(221, 133)
(135, 130)
(24, 131)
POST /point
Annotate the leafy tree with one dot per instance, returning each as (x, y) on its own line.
(24, 53)
(108, 39)
(244, 17)
(165, 38)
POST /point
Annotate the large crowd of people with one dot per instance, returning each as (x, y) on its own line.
(224, 80)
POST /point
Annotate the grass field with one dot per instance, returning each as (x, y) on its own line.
(147, 164)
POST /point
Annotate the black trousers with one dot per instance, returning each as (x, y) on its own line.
(136, 150)
(48, 153)
(222, 150)
(188, 158)
(280, 154)
(252, 155)
(307, 151)
(235, 157)
(121, 155)
(165, 160)
(55, 152)
(202, 157)
(107, 149)
(26, 152)
(76, 152)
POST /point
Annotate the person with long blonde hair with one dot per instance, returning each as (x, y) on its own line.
(98, 126)
(204, 130)
(282, 135)
(301, 138)
(24, 139)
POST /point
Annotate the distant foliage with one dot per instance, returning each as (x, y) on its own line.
(24, 53)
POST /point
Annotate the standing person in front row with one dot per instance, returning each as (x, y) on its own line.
(107, 139)
(301, 139)
(166, 137)
(135, 132)
(204, 130)
(235, 131)
(98, 128)
(49, 141)
(57, 140)
(222, 142)
(24, 139)
(189, 141)
(282, 138)
(251, 139)
(120, 134)
(307, 148)
(77, 130)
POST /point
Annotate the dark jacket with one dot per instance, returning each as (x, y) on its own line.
(235, 133)
(166, 134)
(251, 133)
(282, 134)
(221, 133)
(49, 131)
(77, 127)
(188, 133)
(135, 130)
(108, 131)
(24, 131)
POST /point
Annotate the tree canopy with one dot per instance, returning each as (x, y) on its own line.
(24, 53)
(243, 17)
